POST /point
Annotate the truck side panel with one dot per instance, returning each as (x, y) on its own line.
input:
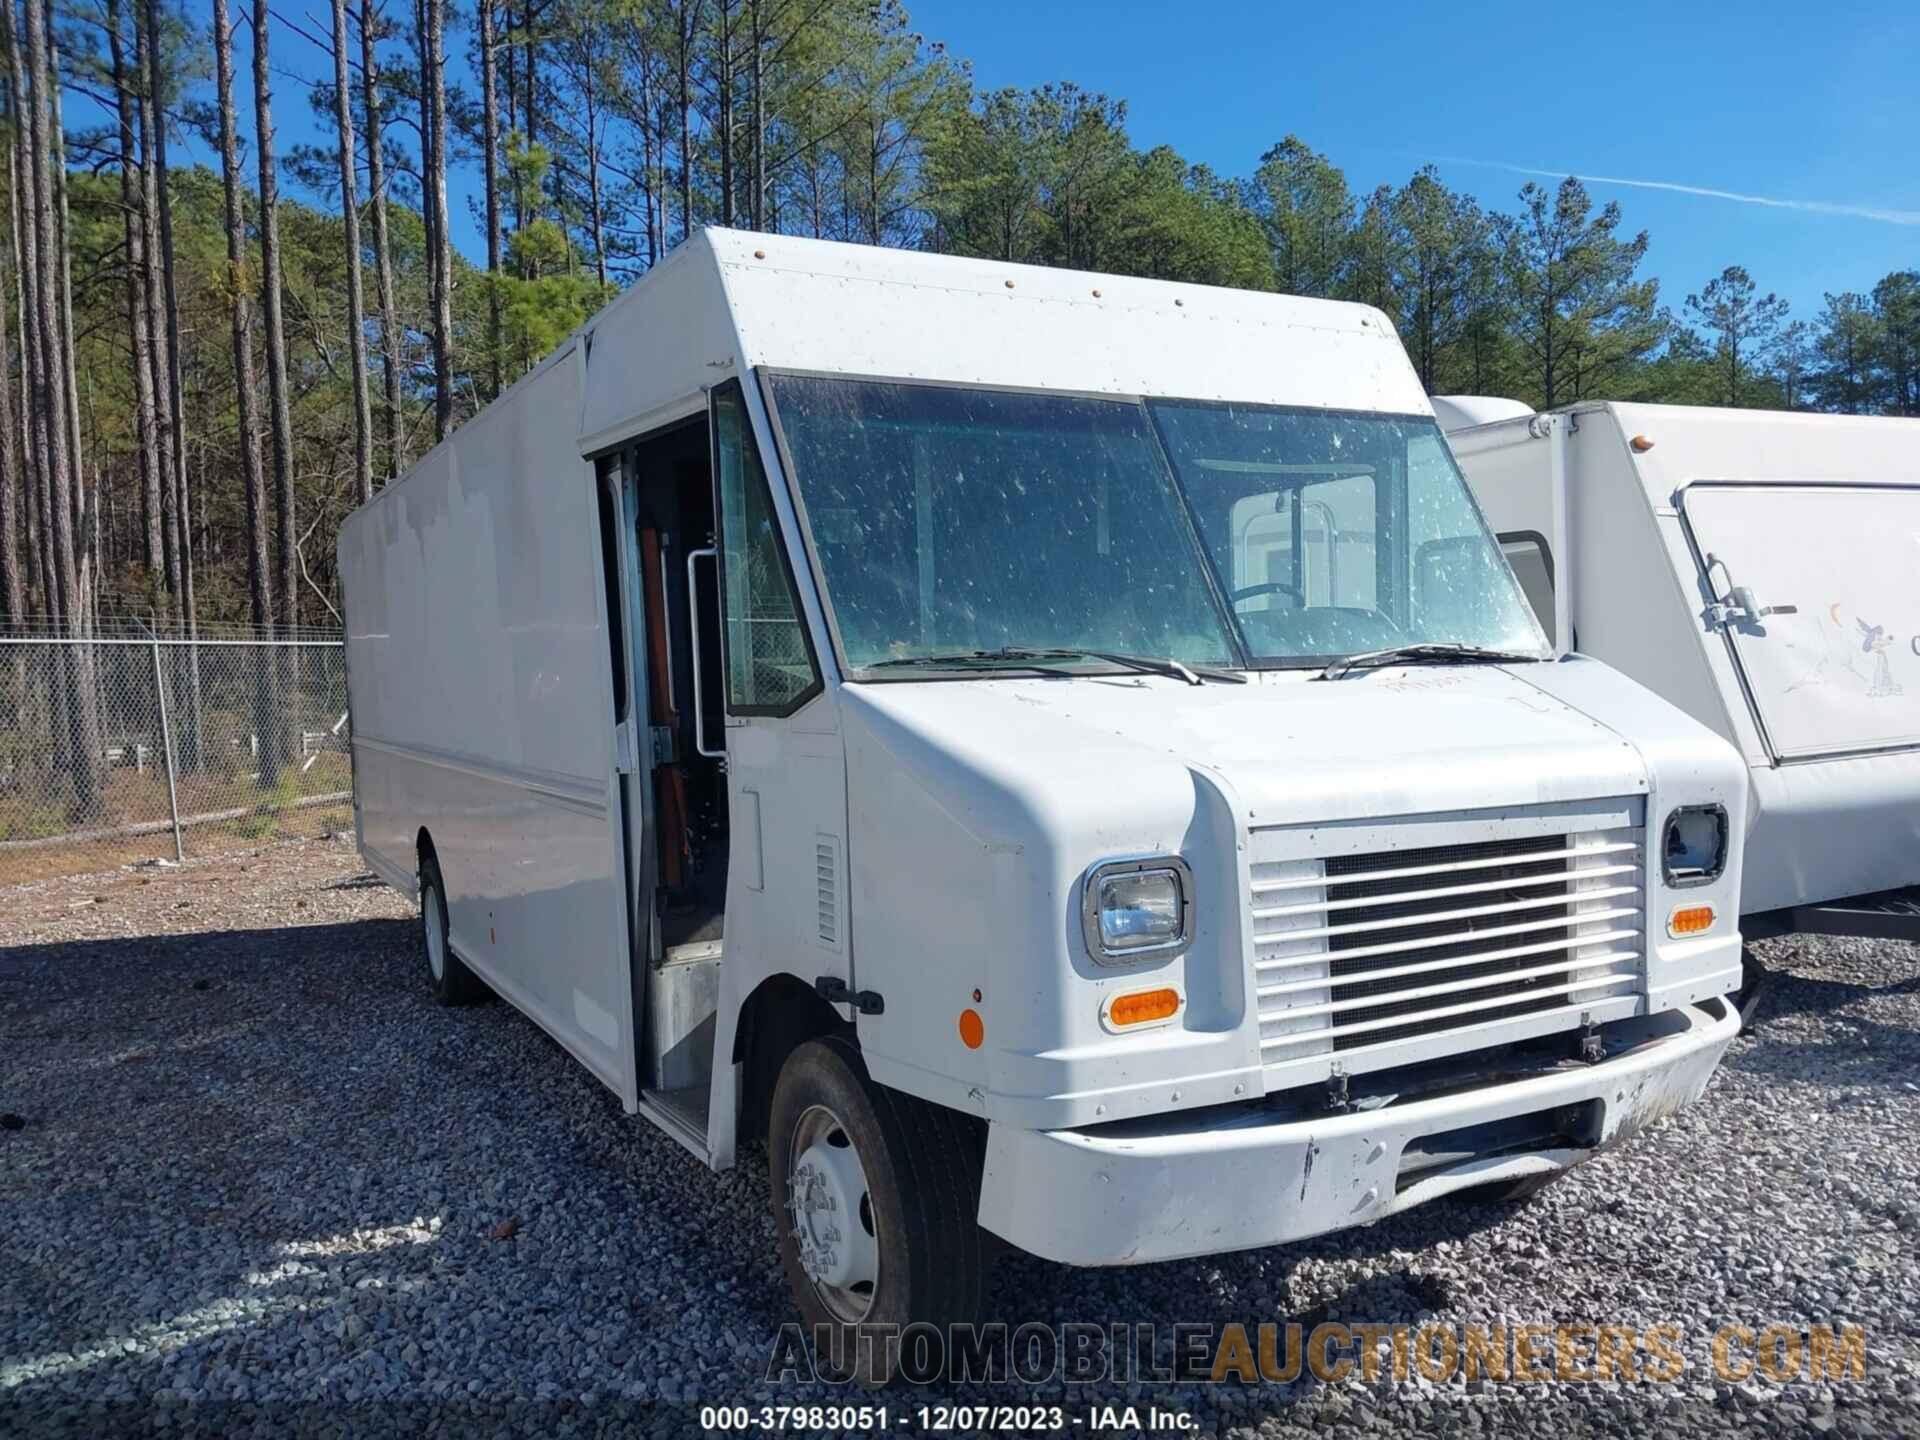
(484, 712)
(1822, 829)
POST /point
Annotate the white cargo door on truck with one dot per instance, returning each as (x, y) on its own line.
(1834, 669)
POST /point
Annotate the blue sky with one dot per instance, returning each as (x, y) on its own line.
(1814, 106)
(1803, 103)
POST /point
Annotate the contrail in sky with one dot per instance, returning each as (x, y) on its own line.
(1810, 207)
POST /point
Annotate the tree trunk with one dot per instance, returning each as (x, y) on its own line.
(175, 482)
(513, 43)
(280, 409)
(70, 380)
(490, 158)
(435, 56)
(40, 447)
(159, 352)
(240, 317)
(424, 124)
(13, 588)
(724, 83)
(350, 217)
(382, 252)
(596, 218)
(529, 86)
(75, 699)
(757, 201)
(286, 576)
(685, 24)
(40, 566)
(133, 203)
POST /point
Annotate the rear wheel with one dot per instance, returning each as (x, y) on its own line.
(453, 983)
(874, 1197)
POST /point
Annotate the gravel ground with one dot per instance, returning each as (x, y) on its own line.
(261, 1181)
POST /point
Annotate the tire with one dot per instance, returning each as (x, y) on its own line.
(452, 982)
(1511, 1192)
(916, 1167)
(1755, 982)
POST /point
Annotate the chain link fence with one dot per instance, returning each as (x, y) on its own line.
(152, 747)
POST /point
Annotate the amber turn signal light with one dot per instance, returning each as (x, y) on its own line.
(973, 1030)
(1690, 920)
(1142, 1007)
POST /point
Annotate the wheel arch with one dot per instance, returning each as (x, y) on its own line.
(781, 1014)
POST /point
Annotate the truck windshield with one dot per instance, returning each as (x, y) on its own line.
(950, 523)
(1333, 533)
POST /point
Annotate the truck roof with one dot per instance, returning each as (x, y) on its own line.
(824, 307)
(1702, 442)
(726, 301)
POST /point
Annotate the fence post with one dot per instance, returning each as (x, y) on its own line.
(166, 751)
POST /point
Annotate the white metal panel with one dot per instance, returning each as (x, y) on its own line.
(656, 348)
(1005, 792)
(853, 309)
(1240, 1177)
(1837, 669)
(484, 709)
(1463, 412)
(1516, 469)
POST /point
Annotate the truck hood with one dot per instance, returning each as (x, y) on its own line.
(1288, 749)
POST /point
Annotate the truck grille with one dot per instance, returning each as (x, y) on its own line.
(1366, 952)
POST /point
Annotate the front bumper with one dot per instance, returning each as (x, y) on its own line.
(1233, 1178)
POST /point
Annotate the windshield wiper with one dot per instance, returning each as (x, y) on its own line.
(965, 659)
(1178, 669)
(1024, 658)
(1428, 653)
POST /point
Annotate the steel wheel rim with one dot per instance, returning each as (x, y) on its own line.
(830, 1215)
(432, 920)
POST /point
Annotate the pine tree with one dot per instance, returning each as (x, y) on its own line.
(395, 434)
(240, 316)
(434, 88)
(150, 459)
(286, 579)
(350, 218)
(1579, 316)
(1741, 324)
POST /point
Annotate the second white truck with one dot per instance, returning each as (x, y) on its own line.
(1760, 569)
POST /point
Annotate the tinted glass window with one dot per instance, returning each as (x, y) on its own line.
(949, 521)
(768, 665)
(1337, 533)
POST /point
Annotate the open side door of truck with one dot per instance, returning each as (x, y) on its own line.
(1814, 590)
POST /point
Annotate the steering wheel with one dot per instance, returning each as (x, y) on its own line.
(1268, 587)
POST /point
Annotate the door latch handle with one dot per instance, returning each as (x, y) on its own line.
(1739, 605)
(712, 752)
(836, 991)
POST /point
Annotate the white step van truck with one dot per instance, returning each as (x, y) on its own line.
(1757, 568)
(1059, 757)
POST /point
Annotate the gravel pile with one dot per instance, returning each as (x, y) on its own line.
(260, 1180)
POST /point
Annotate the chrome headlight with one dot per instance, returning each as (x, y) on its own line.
(1693, 845)
(1138, 909)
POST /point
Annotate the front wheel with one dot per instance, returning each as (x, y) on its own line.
(1512, 1192)
(875, 1196)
